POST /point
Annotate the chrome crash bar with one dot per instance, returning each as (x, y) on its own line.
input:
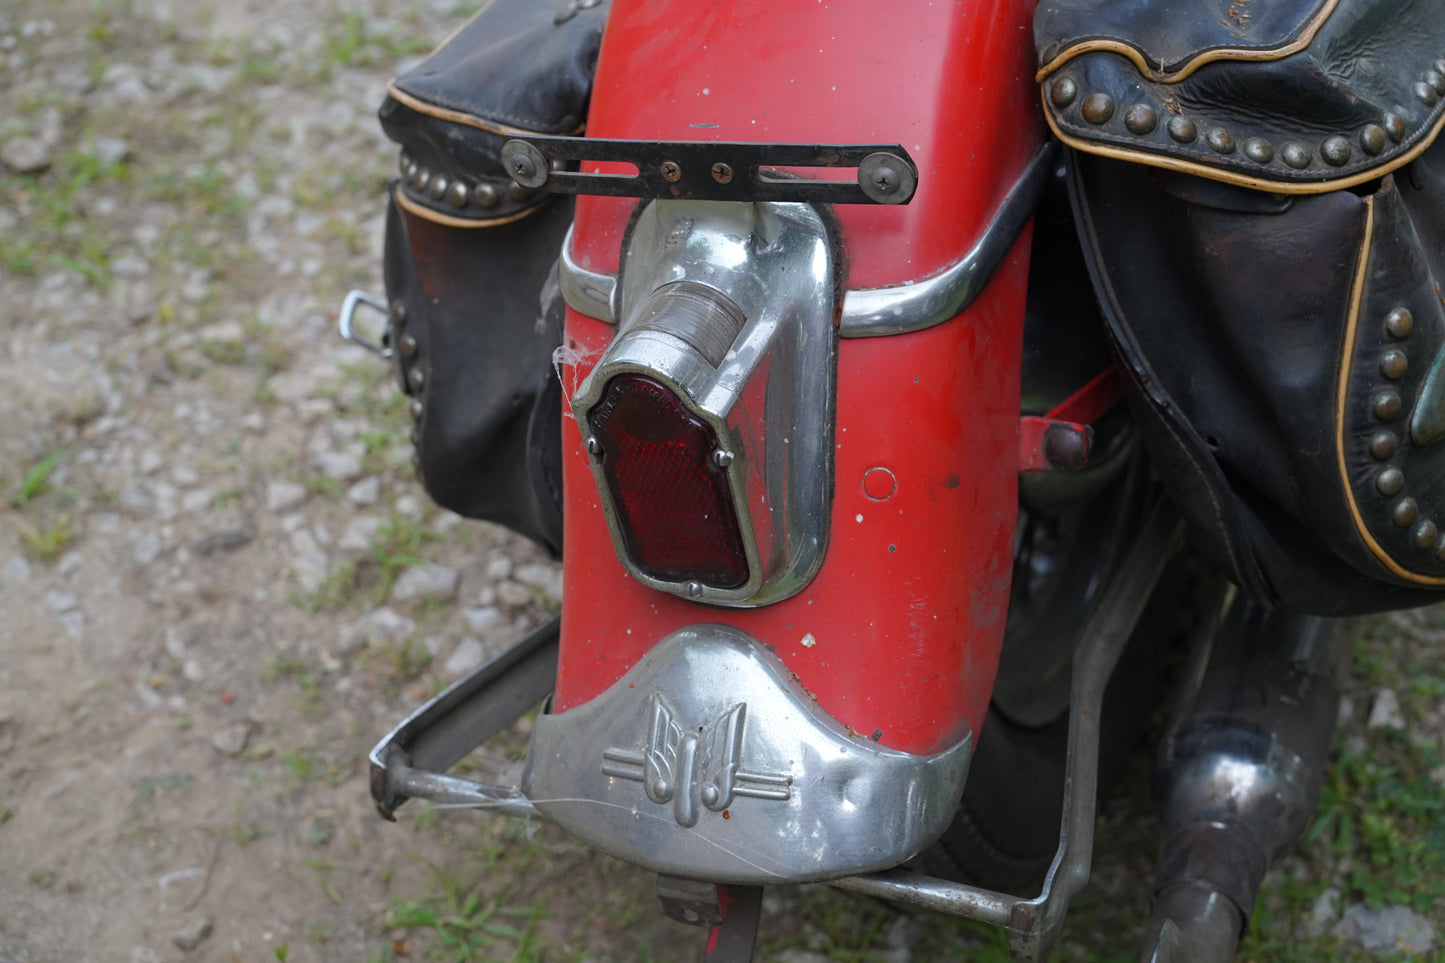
(412, 759)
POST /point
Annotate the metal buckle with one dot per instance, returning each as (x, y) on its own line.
(345, 322)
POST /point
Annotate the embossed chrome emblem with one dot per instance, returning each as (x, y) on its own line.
(686, 768)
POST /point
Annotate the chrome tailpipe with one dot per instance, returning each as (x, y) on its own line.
(1239, 775)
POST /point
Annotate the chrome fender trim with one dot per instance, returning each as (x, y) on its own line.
(874, 312)
(708, 760)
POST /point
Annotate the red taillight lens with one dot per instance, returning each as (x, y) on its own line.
(672, 502)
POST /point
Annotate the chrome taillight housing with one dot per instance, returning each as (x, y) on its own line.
(709, 418)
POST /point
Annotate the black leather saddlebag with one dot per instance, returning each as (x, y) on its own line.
(468, 256)
(1263, 213)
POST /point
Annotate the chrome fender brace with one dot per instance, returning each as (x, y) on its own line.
(412, 759)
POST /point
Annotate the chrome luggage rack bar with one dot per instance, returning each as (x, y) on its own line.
(412, 759)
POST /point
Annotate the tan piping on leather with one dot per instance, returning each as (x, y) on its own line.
(437, 217)
(1357, 296)
(1244, 180)
(1208, 56)
(468, 120)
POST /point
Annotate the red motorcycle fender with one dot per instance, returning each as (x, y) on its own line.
(897, 636)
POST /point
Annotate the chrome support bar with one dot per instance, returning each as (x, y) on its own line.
(873, 312)
(409, 761)
(1034, 924)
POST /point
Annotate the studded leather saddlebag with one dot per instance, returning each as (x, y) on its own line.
(1264, 217)
(468, 255)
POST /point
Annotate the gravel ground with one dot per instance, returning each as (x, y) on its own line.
(220, 584)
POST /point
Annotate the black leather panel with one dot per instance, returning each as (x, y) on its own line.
(1231, 309)
(474, 351)
(1171, 34)
(1396, 473)
(1365, 92)
(518, 64)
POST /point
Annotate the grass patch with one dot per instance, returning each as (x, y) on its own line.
(47, 539)
(459, 922)
(57, 233)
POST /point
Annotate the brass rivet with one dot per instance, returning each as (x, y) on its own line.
(1399, 323)
(1383, 445)
(1098, 108)
(1296, 155)
(1141, 119)
(486, 195)
(516, 192)
(1425, 94)
(438, 187)
(1426, 534)
(420, 178)
(1393, 363)
(1220, 140)
(1436, 81)
(1372, 139)
(1335, 151)
(1064, 92)
(1405, 512)
(1388, 405)
(416, 407)
(398, 312)
(416, 378)
(405, 164)
(408, 346)
(1389, 481)
(1258, 150)
(459, 194)
(1395, 127)
(1183, 129)
(1439, 66)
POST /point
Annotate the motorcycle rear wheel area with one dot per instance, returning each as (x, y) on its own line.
(1006, 832)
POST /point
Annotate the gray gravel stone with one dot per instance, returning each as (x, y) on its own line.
(513, 595)
(485, 619)
(1385, 712)
(147, 548)
(340, 464)
(225, 540)
(365, 492)
(15, 570)
(1385, 930)
(284, 495)
(1323, 913)
(381, 627)
(233, 739)
(360, 533)
(59, 602)
(545, 578)
(468, 654)
(426, 581)
(190, 936)
(73, 623)
(25, 155)
(111, 150)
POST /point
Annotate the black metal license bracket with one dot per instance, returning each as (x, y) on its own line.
(714, 170)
